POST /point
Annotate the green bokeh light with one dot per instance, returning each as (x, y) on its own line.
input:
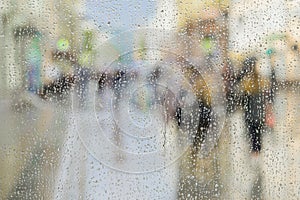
(63, 44)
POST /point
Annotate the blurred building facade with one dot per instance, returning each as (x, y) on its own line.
(29, 32)
(44, 21)
(269, 31)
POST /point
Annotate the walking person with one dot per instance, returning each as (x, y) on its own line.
(256, 100)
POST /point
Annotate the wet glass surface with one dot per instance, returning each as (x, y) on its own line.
(149, 99)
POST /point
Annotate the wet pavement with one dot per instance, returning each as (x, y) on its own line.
(45, 156)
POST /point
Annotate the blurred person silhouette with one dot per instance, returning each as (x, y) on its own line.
(230, 87)
(203, 107)
(58, 78)
(118, 84)
(256, 100)
(104, 81)
(83, 68)
(33, 58)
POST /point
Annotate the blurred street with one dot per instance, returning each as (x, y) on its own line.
(69, 169)
(150, 99)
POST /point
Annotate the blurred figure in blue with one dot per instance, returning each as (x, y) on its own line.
(34, 60)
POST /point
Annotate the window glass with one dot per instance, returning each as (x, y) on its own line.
(149, 99)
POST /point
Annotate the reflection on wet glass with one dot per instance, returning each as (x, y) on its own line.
(149, 99)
